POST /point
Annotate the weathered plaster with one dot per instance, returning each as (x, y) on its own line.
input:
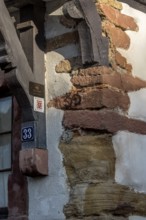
(48, 195)
(129, 147)
(130, 150)
(136, 54)
(57, 84)
(137, 107)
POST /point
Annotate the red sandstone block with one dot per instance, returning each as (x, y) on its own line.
(95, 98)
(103, 75)
(102, 120)
(33, 162)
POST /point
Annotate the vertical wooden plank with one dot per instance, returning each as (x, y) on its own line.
(85, 43)
(99, 43)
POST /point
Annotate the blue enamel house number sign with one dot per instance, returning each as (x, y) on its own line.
(27, 134)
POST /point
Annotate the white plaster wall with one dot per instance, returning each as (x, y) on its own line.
(48, 195)
(130, 148)
(137, 107)
(136, 54)
(130, 152)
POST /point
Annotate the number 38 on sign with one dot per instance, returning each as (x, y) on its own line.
(27, 134)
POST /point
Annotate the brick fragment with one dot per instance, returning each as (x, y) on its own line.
(116, 17)
(103, 75)
(122, 62)
(92, 99)
(114, 3)
(117, 36)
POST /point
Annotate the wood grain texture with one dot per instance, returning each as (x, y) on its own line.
(99, 43)
(137, 4)
(85, 43)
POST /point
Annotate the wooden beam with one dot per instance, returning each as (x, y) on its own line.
(94, 47)
(20, 73)
(137, 4)
(20, 3)
(72, 9)
(141, 1)
(85, 43)
(52, 4)
(99, 43)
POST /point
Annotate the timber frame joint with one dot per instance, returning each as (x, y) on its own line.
(94, 46)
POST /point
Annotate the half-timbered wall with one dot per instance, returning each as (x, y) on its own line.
(95, 113)
(95, 129)
(96, 158)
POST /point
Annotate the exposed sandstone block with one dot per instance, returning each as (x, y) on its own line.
(33, 162)
(117, 36)
(63, 67)
(103, 75)
(95, 98)
(108, 198)
(73, 63)
(102, 120)
(89, 158)
(121, 20)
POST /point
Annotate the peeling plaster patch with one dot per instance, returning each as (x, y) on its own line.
(136, 54)
(138, 104)
(130, 150)
(57, 84)
(137, 218)
(48, 195)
